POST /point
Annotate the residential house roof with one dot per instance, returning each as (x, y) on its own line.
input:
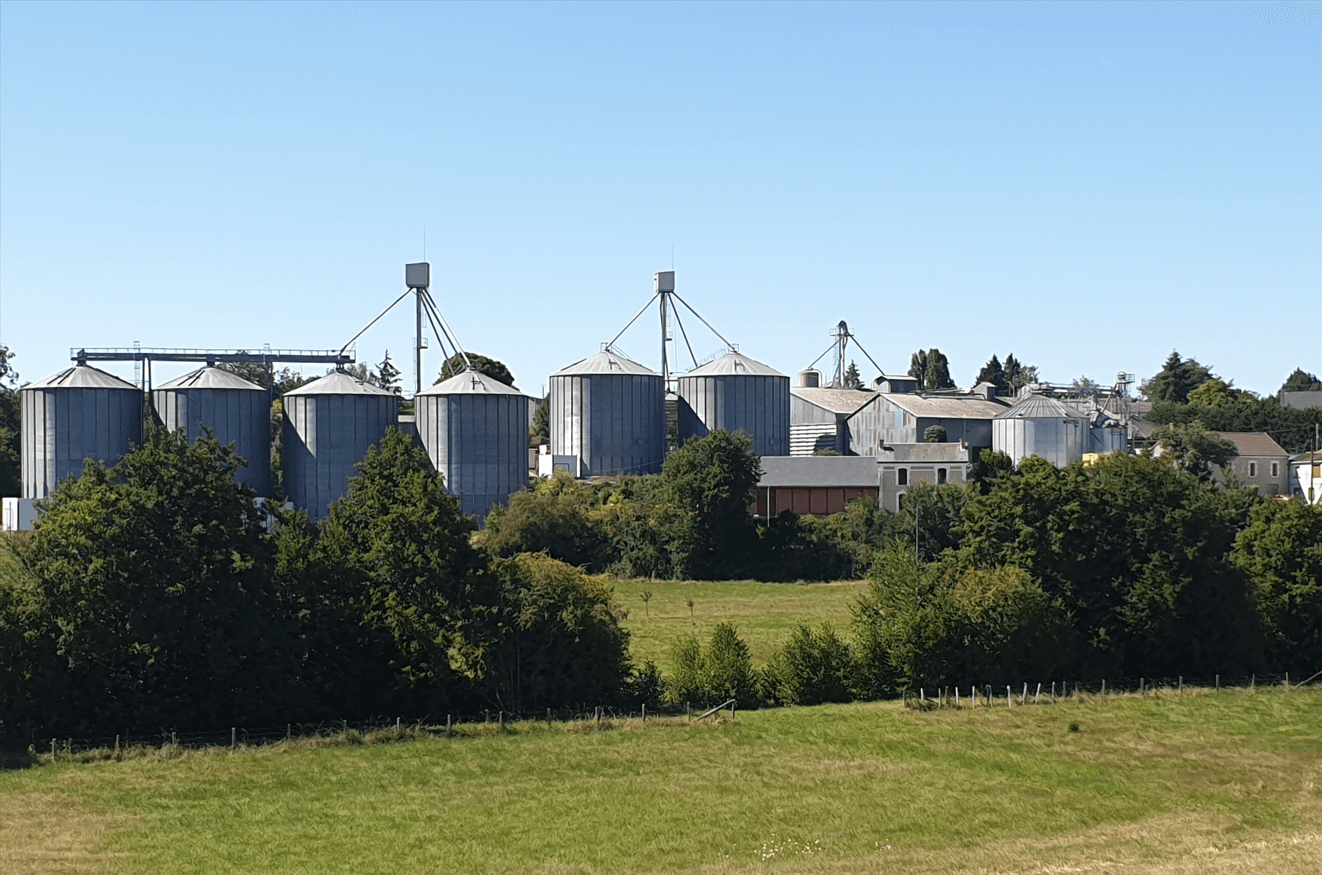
(1250, 443)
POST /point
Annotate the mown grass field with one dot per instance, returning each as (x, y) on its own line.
(765, 613)
(1225, 783)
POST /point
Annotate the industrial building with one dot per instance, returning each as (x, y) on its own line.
(736, 393)
(236, 411)
(608, 415)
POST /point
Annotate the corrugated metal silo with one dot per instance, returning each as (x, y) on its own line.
(329, 425)
(475, 430)
(609, 413)
(1043, 427)
(735, 392)
(237, 411)
(78, 414)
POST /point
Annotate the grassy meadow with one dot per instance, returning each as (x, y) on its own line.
(764, 613)
(1203, 783)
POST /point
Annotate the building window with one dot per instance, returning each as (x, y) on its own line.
(1276, 470)
(902, 477)
(940, 476)
(899, 502)
(1253, 469)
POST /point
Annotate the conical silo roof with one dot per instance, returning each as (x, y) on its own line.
(471, 383)
(1041, 407)
(211, 378)
(606, 363)
(339, 383)
(82, 377)
(734, 364)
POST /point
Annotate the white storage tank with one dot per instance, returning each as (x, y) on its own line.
(1043, 427)
(237, 411)
(475, 431)
(737, 393)
(329, 425)
(609, 414)
(78, 414)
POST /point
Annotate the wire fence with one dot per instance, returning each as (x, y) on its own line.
(1062, 691)
(382, 729)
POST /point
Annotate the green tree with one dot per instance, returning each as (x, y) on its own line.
(1176, 379)
(931, 369)
(10, 427)
(1214, 393)
(1195, 449)
(540, 432)
(814, 666)
(402, 543)
(555, 517)
(709, 486)
(152, 583)
(388, 375)
(1017, 374)
(563, 643)
(852, 378)
(994, 373)
(1281, 553)
(483, 365)
(935, 434)
(1301, 381)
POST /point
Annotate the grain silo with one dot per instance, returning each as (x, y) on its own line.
(1043, 427)
(237, 412)
(475, 431)
(329, 425)
(78, 414)
(737, 393)
(608, 413)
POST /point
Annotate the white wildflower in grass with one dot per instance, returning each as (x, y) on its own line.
(778, 847)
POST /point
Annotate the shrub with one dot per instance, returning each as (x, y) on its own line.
(813, 667)
(555, 518)
(724, 671)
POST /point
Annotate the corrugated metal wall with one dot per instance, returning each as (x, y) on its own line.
(1057, 440)
(613, 423)
(324, 437)
(757, 404)
(478, 443)
(238, 416)
(62, 427)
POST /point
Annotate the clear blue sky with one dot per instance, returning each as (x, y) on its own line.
(1086, 186)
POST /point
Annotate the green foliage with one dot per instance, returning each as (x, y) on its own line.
(10, 427)
(1017, 374)
(852, 380)
(554, 517)
(540, 431)
(993, 373)
(928, 625)
(1215, 393)
(813, 667)
(709, 485)
(706, 678)
(1176, 379)
(1292, 429)
(989, 467)
(1136, 550)
(1195, 449)
(1301, 381)
(858, 533)
(151, 589)
(932, 515)
(563, 642)
(827, 451)
(401, 543)
(791, 547)
(1281, 553)
(483, 365)
(388, 375)
(935, 434)
(931, 369)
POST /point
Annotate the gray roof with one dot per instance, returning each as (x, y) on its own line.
(471, 383)
(1041, 407)
(81, 377)
(835, 400)
(734, 363)
(946, 451)
(339, 383)
(946, 406)
(1253, 443)
(1301, 400)
(211, 378)
(780, 471)
(606, 363)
